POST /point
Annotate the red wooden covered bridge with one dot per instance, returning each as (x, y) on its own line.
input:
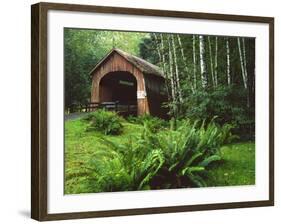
(131, 82)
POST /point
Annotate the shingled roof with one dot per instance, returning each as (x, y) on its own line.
(143, 65)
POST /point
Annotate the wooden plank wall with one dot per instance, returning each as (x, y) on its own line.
(155, 99)
(116, 63)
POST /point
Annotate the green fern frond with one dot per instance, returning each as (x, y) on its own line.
(197, 180)
(189, 170)
(209, 160)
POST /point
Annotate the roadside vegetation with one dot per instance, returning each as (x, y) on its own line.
(150, 153)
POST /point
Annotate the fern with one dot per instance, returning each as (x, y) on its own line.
(106, 122)
(209, 160)
(197, 180)
(178, 156)
(151, 166)
(190, 170)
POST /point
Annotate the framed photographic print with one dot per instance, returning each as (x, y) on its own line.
(138, 111)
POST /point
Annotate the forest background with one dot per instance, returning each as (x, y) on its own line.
(206, 76)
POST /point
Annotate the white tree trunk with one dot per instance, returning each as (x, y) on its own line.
(172, 74)
(228, 62)
(242, 63)
(216, 62)
(194, 62)
(161, 54)
(182, 52)
(245, 69)
(211, 61)
(185, 62)
(176, 69)
(203, 62)
(245, 59)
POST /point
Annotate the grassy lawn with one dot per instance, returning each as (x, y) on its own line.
(80, 146)
(237, 167)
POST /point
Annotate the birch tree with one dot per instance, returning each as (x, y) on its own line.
(172, 78)
(242, 64)
(164, 60)
(211, 61)
(204, 79)
(228, 62)
(245, 59)
(176, 69)
(194, 62)
(216, 62)
(161, 54)
(185, 62)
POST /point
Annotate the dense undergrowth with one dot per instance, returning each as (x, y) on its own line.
(146, 153)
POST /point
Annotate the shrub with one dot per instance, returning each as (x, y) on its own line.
(155, 124)
(229, 104)
(188, 150)
(123, 167)
(107, 122)
(171, 158)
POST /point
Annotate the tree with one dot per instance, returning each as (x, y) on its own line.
(228, 61)
(161, 54)
(204, 79)
(194, 61)
(211, 61)
(179, 91)
(83, 49)
(242, 57)
(185, 63)
(190, 63)
(216, 62)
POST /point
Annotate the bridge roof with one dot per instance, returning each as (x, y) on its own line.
(143, 65)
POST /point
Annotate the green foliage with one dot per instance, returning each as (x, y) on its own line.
(231, 102)
(145, 152)
(209, 160)
(83, 49)
(106, 122)
(78, 61)
(127, 166)
(227, 104)
(188, 150)
(154, 123)
(237, 166)
(80, 145)
(93, 164)
(155, 160)
(234, 103)
(148, 50)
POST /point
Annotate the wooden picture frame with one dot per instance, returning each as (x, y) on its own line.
(39, 110)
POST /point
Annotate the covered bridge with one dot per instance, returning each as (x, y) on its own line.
(131, 82)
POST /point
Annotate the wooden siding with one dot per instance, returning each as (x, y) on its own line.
(155, 95)
(116, 63)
